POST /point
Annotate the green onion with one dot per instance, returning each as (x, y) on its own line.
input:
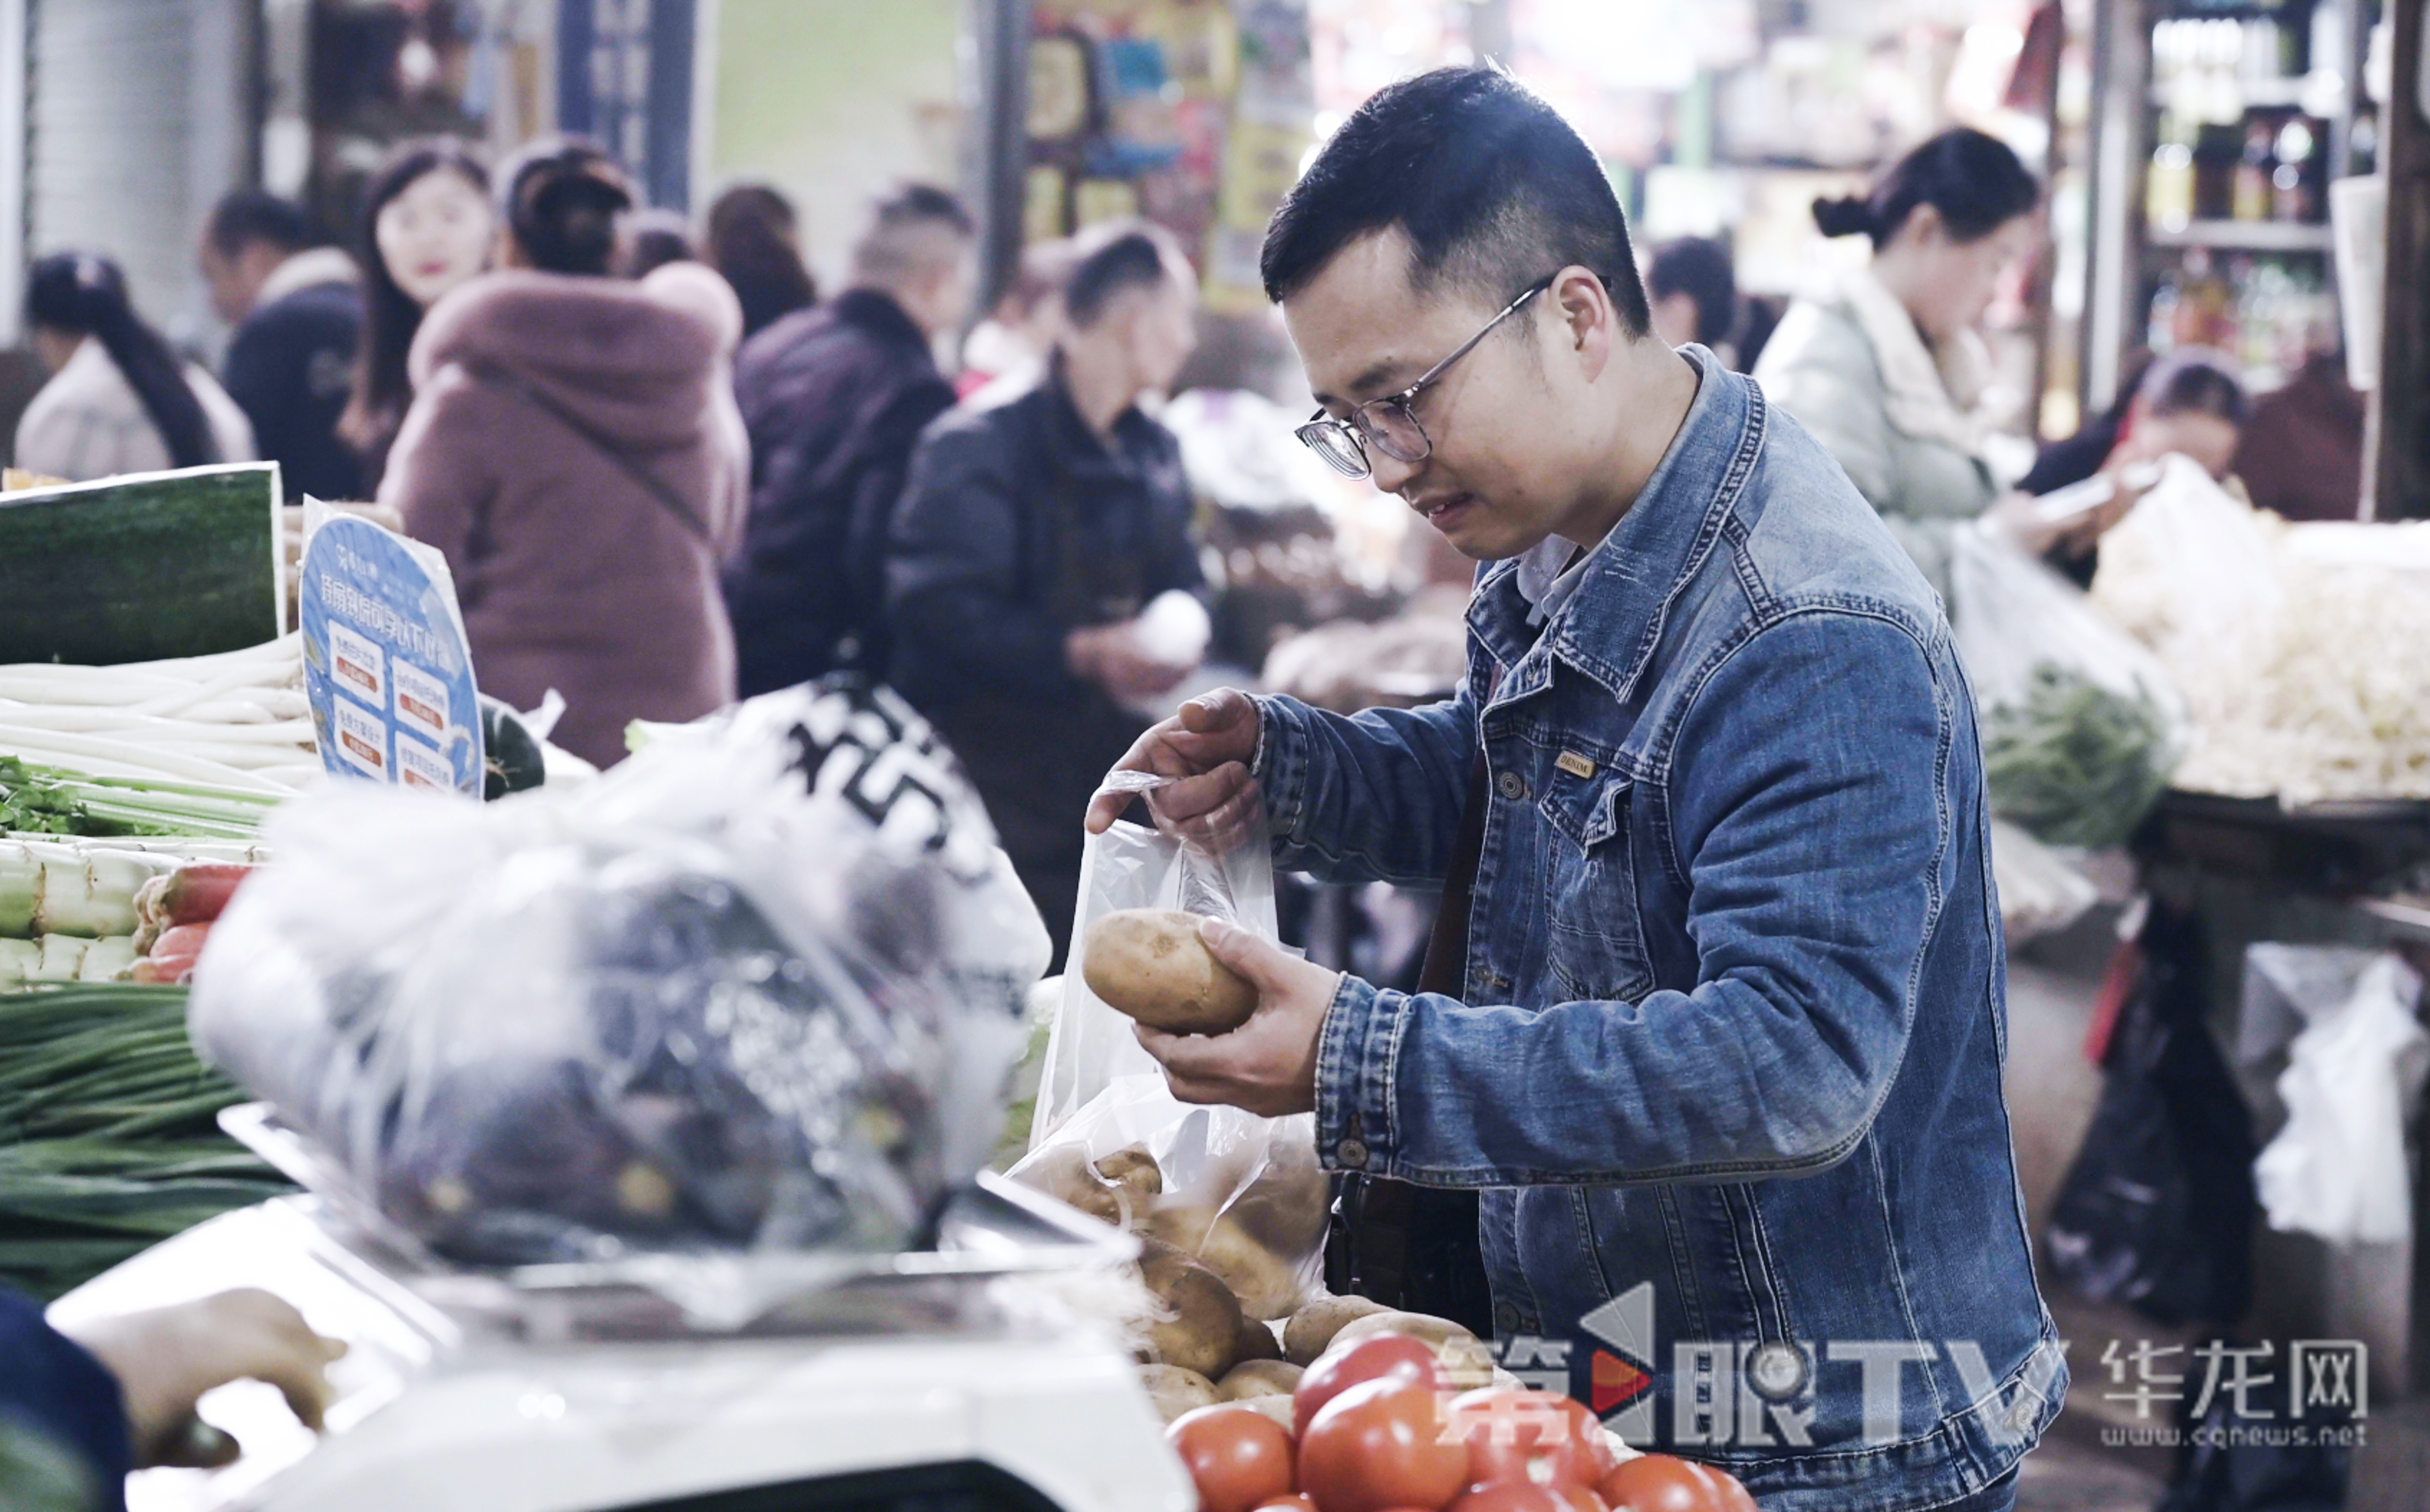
(108, 1132)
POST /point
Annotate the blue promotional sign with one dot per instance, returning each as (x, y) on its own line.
(386, 668)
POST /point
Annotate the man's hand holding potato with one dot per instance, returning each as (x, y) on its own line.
(1268, 1065)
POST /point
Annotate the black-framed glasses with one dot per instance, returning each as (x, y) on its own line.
(1391, 424)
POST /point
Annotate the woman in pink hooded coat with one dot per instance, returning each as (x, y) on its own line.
(574, 449)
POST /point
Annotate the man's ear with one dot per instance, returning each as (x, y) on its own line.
(1590, 322)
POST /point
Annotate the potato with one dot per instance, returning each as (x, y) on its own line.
(1258, 1342)
(1117, 1189)
(1311, 1331)
(1175, 1390)
(1267, 1285)
(1279, 1408)
(1150, 964)
(1285, 1208)
(1467, 1363)
(1063, 1172)
(1258, 1378)
(1203, 1332)
(1132, 1169)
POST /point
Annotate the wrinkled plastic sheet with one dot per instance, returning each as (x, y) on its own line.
(754, 993)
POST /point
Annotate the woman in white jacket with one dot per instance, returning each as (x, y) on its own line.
(1888, 368)
(118, 399)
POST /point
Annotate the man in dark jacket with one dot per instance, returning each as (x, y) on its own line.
(835, 397)
(298, 313)
(1039, 524)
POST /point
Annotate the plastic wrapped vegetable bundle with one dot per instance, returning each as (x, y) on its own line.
(759, 987)
(2081, 726)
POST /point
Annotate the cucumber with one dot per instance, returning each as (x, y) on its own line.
(141, 568)
(513, 757)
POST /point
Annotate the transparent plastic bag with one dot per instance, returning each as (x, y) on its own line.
(2081, 726)
(758, 988)
(1242, 1193)
(2338, 1167)
(2042, 892)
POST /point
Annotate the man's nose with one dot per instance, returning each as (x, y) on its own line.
(1390, 473)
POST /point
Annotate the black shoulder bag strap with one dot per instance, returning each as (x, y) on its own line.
(650, 483)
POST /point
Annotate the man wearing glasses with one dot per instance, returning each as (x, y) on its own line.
(1717, 1009)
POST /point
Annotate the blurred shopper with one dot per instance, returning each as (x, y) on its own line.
(83, 1405)
(298, 312)
(1888, 370)
(651, 240)
(1019, 333)
(2190, 401)
(428, 228)
(2301, 453)
(118, 399)
(754, 240)
(1695, 292)
(834, 398)
(571, 449)
(1037, 526)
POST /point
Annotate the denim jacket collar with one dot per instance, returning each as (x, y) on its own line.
(1608, 630)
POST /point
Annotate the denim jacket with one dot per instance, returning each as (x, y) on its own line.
(1727, 1071)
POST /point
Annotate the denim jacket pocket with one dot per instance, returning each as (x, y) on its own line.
(1595, 944)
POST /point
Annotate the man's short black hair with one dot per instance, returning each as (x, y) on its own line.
(1131, 254)
(1492, 188)
(246, 216)
(1700, 270)
(911, 203)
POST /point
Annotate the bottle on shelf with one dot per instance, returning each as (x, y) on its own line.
(2290, 192)
(2249, 199)
(2169, 187)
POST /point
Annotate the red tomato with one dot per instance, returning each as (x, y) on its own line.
(1581, 1499)
(1293, 1503)
(1370, 1359)
(1660, 1483)
(1512, 1496)
(1515, 1434)
(1239, 1458)
(1382, 1444)
(1593, 1442)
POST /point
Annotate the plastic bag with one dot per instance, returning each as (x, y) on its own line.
(758, 988)
(1242, 1193)
(2156, 1210)
(2041, 893)
(2080, 724)
(2337, 1168)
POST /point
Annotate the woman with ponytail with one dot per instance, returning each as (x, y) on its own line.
(574, 448)
(118, 399)
(1888, 369)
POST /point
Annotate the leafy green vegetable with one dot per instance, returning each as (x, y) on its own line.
(2076, 763)
(38, 800)
(108, 1133)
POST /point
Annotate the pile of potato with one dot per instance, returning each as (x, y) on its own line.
(1269, 1359)
(1234, 1322)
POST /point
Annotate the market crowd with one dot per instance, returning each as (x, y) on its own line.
(1729, 878)
(665, 470)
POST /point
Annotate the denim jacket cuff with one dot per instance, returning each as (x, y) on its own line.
(1280, 765)
(1357, 1061)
